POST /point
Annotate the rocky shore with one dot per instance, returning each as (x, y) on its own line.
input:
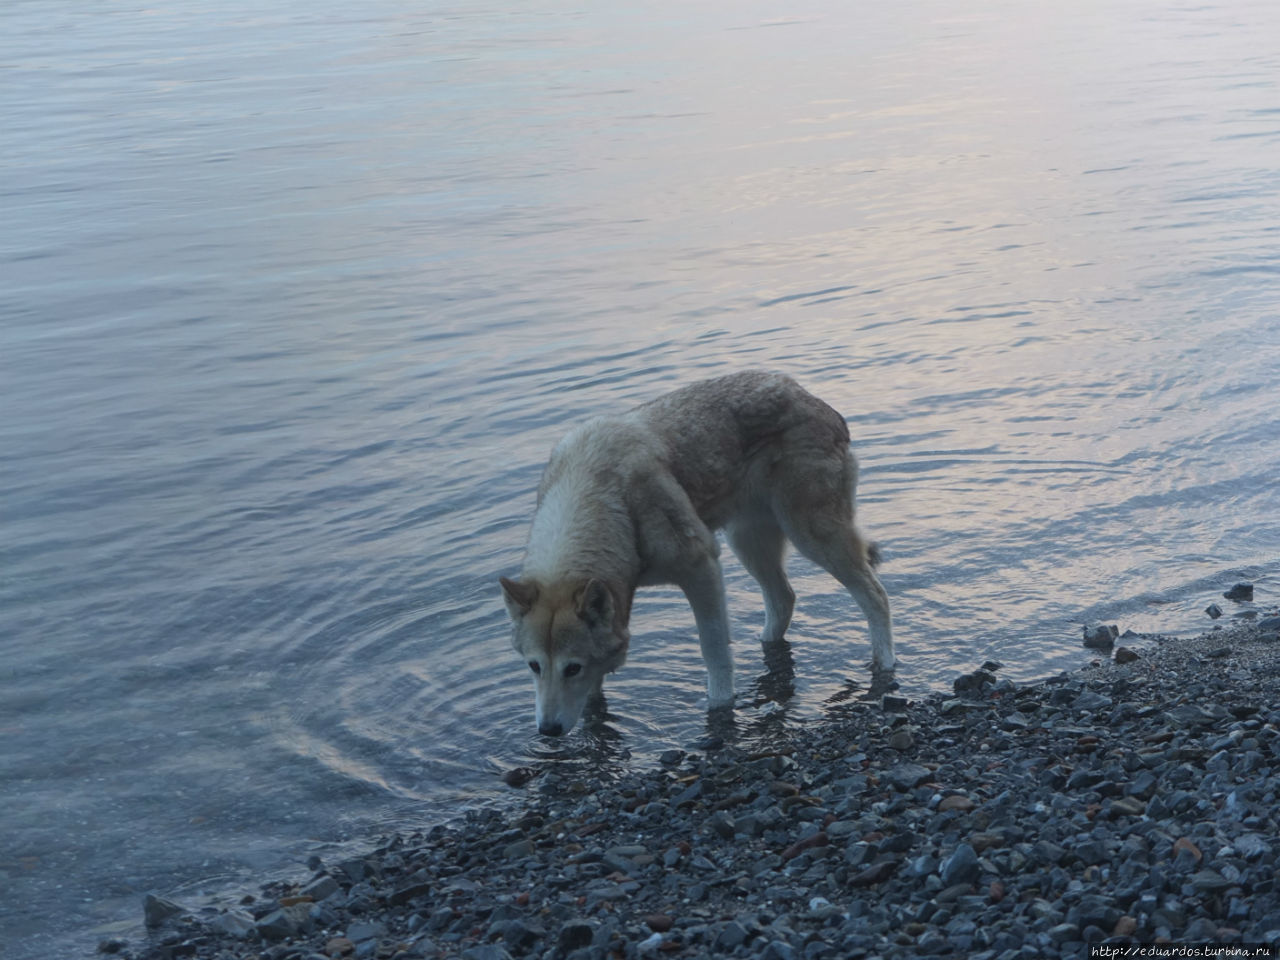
(1132, 802)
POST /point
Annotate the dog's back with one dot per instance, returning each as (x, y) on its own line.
(727, 439)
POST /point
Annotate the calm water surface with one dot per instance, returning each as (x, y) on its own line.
(297, 297)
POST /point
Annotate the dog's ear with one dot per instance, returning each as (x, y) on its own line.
(520, 597)
(595, 603)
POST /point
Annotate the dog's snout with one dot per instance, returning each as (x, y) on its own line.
(553, 729)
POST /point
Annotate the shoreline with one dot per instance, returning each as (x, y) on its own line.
(1120, 803)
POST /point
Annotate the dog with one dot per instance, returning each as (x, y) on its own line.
(636, 499)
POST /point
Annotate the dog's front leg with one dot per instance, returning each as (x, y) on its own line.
(704, 589)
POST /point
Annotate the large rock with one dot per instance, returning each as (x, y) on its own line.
(233, 923)
(1241, 592)
(157, 911)
(1100, 636)
(906, 776)
(286, 922)
(1269, 627)
(961, 867)
(973, 684)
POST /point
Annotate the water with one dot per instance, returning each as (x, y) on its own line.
(296, 298)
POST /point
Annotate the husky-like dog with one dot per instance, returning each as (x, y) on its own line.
(636, 499)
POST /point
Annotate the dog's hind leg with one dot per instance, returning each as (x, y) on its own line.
(760, 544)
(703, 585)
(843, 554)
(814, 506)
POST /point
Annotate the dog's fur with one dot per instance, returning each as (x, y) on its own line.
(636, 499)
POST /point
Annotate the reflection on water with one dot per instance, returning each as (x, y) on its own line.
(297, 299)
(778, 682)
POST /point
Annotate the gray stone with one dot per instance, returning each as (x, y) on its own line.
(690, 794)
(1241, 592)
(620, 863)
(157, 911)
(1100, 636)
(461, 885)
(731, 935)
(485, 951)
(1251, 846)
(1084, 779)
(1093, 702)
(859, 853)
(1048, 852)
(906, 776)
(285, 922)
(961, 867)
(923, 865)
(1210, 881)
(1143, 786)
(363, 930)
(601, 891)
(1189, 715)
(233, 923)
(518, 850)
(901, 740)
(1201, 930)
(973, 684)
(1064, 933)
(722, 824)
(900, 842)
(575, 934)
(954, 892)
(1126, 807)
(521, 936)
(413, 891)
(932, 941)
(1096, 911)
(1214, 611)
(321, 888)
(355, 869)
(1042, 909)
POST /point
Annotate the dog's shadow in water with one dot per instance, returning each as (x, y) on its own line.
(777, 685)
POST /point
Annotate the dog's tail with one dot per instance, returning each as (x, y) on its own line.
(874, 556)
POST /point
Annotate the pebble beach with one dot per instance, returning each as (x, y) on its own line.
(1135, 801)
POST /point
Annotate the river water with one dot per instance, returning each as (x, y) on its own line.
(297, 297)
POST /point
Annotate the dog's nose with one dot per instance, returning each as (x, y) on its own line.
(550, 729)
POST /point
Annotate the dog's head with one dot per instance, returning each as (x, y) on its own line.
(570, 636)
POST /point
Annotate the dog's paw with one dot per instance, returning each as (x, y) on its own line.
(874, 556)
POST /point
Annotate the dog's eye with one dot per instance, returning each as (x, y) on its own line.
(573, 669)
(533, 665)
